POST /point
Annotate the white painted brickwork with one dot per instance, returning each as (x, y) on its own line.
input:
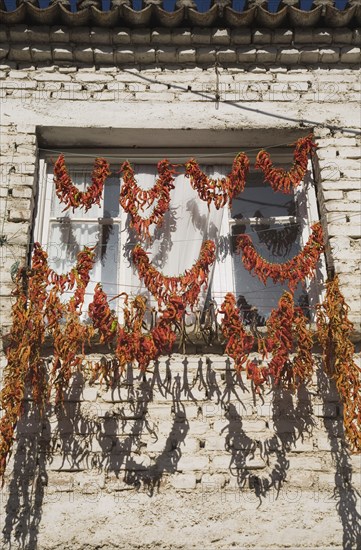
(235, 473)
(184, 458)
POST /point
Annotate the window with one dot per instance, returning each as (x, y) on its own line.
(278, 225)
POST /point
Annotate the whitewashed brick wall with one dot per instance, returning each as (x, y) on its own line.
(184, 458)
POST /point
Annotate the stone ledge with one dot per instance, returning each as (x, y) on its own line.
(97, 36)
(120, 54)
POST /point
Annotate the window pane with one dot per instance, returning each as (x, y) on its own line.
(111, 197)
(275, 243)
(258, 200)
(110, 260)
(66, 240)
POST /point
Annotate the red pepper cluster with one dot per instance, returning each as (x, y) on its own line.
(221, 191)
(334, 331)
(131, 344)
(70, 195)
(239, 341)
(187, 285)
(295, 270)
(133, 198)
(285, 326)
(278, 178)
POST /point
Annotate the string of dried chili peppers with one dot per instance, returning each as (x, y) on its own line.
(69, 194)
(239, 341)
(24, 361)
(12, 393)
(279, 179)
(222, 190)
(104, 320)
(69, 339)
(295, 270)
(187, 285)
(334, 330)
(134, 198)
(285, 325)
(131, 343)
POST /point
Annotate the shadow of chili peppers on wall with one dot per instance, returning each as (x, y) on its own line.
(343, 491)
(27, 487)
(167, 461)
(111, 434)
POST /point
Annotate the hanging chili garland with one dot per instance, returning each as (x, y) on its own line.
(220, 191)
(68, 333)
(286, 324)
(25, 364)
(69, 194)
(334, 331)
(294, 271)
(187, 285)
(103, 318)
(134, 199)
(131, 344)
(12, 393)
(279, 179)
(239, 341)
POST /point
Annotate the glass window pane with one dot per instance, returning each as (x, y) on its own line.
(258, 200)
(111, 197)
(109, 259)
(277, 244)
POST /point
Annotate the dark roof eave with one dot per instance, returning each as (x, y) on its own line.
(154, 16)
